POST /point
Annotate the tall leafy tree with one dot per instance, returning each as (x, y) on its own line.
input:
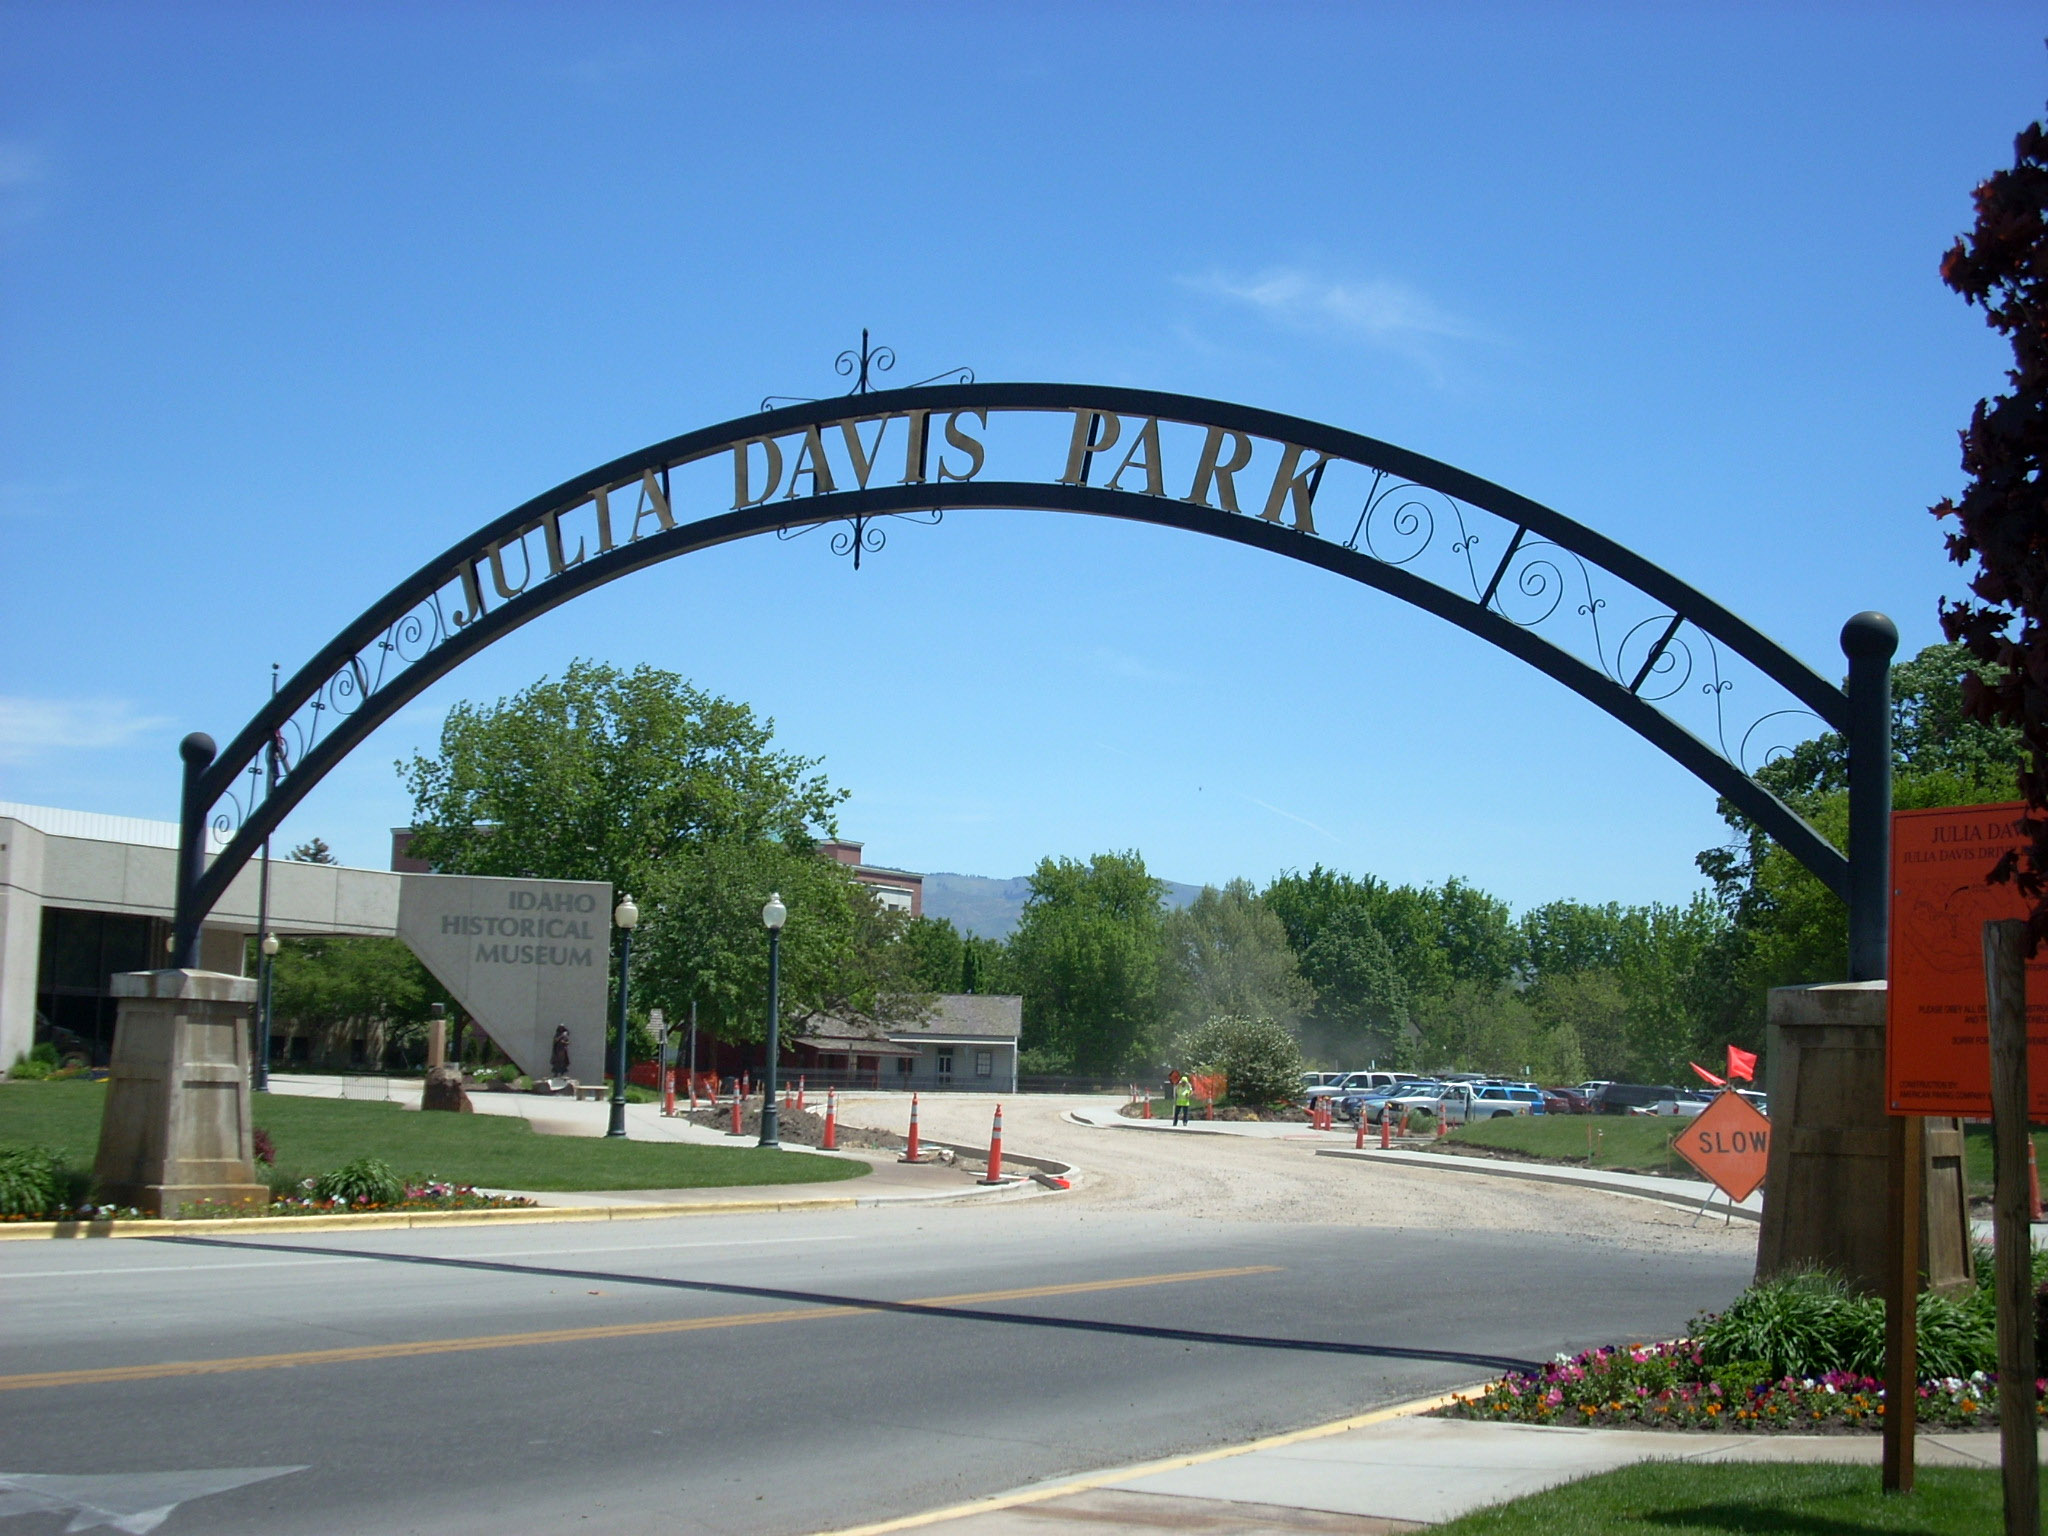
(1227, 955)
(2002, 515)
(1087, 956)
(842, 952)
(1361, 996)
(604, 774)
(681, 798)
(937, 953)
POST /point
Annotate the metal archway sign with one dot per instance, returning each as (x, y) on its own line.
(1674, 666)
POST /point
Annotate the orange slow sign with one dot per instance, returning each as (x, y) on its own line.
(1730, 1143)
(1937, 1045)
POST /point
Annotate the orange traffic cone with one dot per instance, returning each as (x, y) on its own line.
(799, 1093)
(995, 1150)
(668, 1091)
(1386, 1129)
(831, 1141)
(910, 1153)
(1148, 1107)
(1443, 1126)
(1359, 1142)
(736, 1131)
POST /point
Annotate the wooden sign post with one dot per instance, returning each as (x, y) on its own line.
(2005, 989)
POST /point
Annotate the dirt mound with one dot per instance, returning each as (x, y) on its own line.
(802, 1126)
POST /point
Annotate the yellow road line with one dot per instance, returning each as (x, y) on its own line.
(170, 1368)
(1096, 1480)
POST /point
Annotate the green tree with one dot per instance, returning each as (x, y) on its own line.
(331, 988)
(1087, 952)
(1789, 928)
(937, 954)
(1227, 955)
(1361, 996)
(606, 775)
(314, 852)
(842, 951)
(986, 967)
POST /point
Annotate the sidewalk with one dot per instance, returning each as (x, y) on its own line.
(1691, 1193)
(1382, 1472)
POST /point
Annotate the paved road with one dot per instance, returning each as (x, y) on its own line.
(747, 1374)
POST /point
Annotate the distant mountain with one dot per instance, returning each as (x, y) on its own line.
(990, 907)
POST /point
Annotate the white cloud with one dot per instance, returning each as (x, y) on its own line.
(1378, 311)
(32, 727)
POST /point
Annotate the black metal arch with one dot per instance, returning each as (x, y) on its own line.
(409, 639)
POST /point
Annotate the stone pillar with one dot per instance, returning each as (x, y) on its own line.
(176, 1129)
(1824, 1196)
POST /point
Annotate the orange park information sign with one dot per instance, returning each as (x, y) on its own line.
(1937, 1045)
(1730, 1144)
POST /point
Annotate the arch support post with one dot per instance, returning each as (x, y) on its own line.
(198, 752)
(1869, 641)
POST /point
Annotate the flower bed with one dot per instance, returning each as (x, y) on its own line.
(429, 1195)
(1671, 1386)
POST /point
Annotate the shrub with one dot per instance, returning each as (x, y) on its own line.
(1810, 1323)
(364, 1181)
(266, 1149)
(28, 1069)
(32, 1181)
(1258, 1056)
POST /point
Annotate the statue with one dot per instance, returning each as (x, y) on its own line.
(558, 1059)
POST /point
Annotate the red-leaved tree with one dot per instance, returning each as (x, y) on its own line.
(2002, 264)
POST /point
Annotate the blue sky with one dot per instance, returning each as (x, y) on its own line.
(295, 297)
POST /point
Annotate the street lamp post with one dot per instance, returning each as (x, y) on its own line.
(772, 918)
(627, 917)
(269, 947)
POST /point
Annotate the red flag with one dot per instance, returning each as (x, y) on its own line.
(1742, 1063)
(1718, 1082)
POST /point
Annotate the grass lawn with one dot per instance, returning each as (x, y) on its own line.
(1793, 1499)
(1622, 1143)
(495, 1151)
(1977, 1157)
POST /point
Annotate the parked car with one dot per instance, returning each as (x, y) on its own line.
(1566, 1101)
(1368, 1101)
(1591, 1087)
(1625, 1098)
(1461, 1103)
(1351, 1083)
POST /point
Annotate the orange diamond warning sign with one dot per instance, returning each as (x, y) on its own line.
(1730, 1143)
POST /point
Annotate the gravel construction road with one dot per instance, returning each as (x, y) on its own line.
(1280, 1179)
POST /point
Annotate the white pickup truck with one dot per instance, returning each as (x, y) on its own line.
(1460, 1103)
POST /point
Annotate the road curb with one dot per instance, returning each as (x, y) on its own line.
(1093, 1480)
(375, 1221)
(1535, 1173)
(383, 1221)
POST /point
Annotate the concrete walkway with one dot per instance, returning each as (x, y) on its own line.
(1380, 1473)
(1691, 1193)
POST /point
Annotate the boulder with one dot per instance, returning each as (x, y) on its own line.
(444, 1090)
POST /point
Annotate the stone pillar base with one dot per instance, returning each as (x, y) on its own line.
(176, 1129)
(1824, 1197)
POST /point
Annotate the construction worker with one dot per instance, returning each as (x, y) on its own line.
(1183, 1100)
